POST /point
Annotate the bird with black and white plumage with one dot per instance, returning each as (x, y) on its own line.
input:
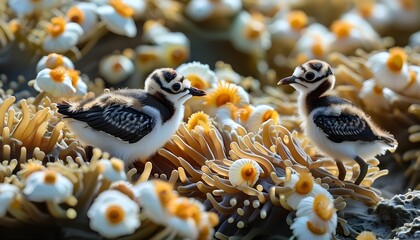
(334, 125)
(132, 124)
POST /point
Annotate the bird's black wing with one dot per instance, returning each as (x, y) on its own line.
(344, 127)
(123, 122)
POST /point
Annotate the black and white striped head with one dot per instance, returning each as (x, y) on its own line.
(167, 83)
(310, 76)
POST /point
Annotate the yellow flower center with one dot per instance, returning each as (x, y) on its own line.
(178, 55)
(305, 183)
(222, 99)
(14, 26)
(365, 235)
(255, 27)
(270, 114)
(396, 59)
(341, 29)
(323, 208)
(117, 67)
(408, 4)
(50, 177)
(245, 112)
(164, 192)
(365, 8)
(114, 214)
(121, 8)
(317, 230)
(377, 89)
(57, 74)
(301, 58)
(317, 48)
(297, 20)
(74, 75)
(54, 60)
(197, 81)
(199, 119)
(117, 165)
(248, 172)
(75, 14)
(147, 57)
(186, 210)
(57, 26)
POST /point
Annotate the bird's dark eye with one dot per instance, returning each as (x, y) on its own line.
(309, 76)
(176, 87)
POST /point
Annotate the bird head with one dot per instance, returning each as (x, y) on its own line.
(310, 76)
(167, 83)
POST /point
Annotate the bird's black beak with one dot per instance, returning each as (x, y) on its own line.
(287, 80)
(197, 92)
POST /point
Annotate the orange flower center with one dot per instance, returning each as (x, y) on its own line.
(114, 214)
(57, 26)
(117, 67)
(164, 192)
(297, 20)
(408, 4)
(222, 99)
(413, 78)
(185, 210)
(365, 9)
(197, 81)
(396, 59)
(178, 56)
(50, 177)
(121, 8)
(341, 29)
(377, 89)
(323, 208)
(147, 57)
(117, 165)
(270, 114)
(54, 60)
(14, 26)
(75, 14)
(248, 172)
(74, 75)
(317, 230)
(317, 48)
(254, 30)
(304, 184)
(58, 74)
(245, 112)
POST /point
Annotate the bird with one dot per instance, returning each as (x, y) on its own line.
(132, 124)
(336, 126)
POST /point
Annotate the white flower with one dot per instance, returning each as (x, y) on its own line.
(226, 116)
(56, 82)
(54, 60)
(314, 43)
(225, 93)
(118, 18)
(249, 33)
(200, 10)
(115, 68)
(62, 35)
(113, 169)
(155, 197)
(83, 14)
(113, 214)
(404, 14)
(138, 6)
(47, 185)
(153, 29)
(148, 57)
(372, 97)
(288, 26)
(27, 7)
(7, 193)
(228, 75)
(390, 69)
(376, 13)
(77, 82)
(200, 75)
(316, 218)
(244, 172)
(303, 186)
(261, 114)
(175, 48)
(414, 39)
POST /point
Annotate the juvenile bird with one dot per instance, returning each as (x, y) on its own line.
(132, 124)
(335, 125)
